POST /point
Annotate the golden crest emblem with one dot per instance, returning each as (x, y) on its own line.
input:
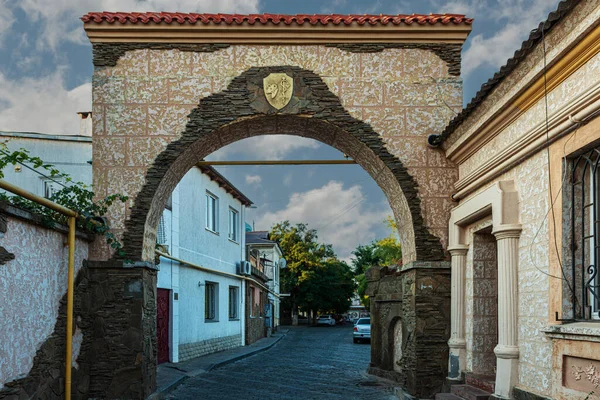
(278, 89)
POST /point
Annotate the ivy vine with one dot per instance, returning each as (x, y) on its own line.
(76, 196)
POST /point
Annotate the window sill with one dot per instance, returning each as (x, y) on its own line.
(234, 319)
(234, 241)
(211, 321)
(214, 232)
(582, 331)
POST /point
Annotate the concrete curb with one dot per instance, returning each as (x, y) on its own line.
(161, 393)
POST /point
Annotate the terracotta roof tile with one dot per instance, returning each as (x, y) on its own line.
(275, 19)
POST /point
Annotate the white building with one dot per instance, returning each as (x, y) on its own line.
(71, 154)
(201, 312)
(271, 256)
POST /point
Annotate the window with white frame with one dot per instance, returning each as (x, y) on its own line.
(233, 225)
(212, 212)
(210, 301)
(233, 302)
(50, 188)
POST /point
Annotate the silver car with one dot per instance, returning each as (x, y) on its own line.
(326, 320)
(362, 330)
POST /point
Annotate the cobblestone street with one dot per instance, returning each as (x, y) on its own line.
(309, 363)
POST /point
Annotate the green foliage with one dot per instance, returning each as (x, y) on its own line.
(75, 196)
(314, 277)
(384, 252)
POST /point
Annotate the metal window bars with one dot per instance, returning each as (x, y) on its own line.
(585, 235)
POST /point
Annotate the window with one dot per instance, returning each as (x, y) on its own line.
(50, 188)
(161, 234)
(583, 236)
(212, 212)
(210, 301)
(233, 302)
(233, 225)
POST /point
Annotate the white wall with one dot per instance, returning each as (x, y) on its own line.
(68, 154)
(188, 239)
(31, 288)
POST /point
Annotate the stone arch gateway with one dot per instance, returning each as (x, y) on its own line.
(170, 88)
(241, 111)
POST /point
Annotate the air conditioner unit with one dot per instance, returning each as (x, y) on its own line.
(245, 268)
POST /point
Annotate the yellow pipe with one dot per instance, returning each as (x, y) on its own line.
(214, 271)
(70, 284)
(281, 162)
(71, 268)
(37, 199)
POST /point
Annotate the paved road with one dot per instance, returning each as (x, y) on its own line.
(308, 363)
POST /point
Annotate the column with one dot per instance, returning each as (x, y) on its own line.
(507, 350)
(457, 342)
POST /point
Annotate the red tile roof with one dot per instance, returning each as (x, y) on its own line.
(275, 19)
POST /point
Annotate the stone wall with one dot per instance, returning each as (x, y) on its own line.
(114, 311)
(481, 306)
(418, 297)
(192, 350)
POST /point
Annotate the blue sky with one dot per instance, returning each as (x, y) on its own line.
(46, 69)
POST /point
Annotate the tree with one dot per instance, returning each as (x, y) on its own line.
(386, 251)
(315, 279)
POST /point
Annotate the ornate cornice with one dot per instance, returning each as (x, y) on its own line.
(566, 66)
(262, 29)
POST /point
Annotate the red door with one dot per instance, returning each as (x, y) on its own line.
(162, 324)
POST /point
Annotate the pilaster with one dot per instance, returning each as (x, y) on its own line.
(457, 342)
(507, 350)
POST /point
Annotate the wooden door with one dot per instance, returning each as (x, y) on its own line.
(162, 324)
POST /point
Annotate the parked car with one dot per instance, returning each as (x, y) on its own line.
(362, 330)
(326, 320)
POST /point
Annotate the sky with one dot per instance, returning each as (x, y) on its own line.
(45, 78)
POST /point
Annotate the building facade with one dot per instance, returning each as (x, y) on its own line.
(200, 312)
(259, 246)
(70, 154)
(524, 236)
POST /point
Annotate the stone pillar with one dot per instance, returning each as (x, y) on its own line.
(507, 350)
(457, 342)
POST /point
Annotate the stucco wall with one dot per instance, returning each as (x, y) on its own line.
(531, 178)
(31, 287)
(141, 104)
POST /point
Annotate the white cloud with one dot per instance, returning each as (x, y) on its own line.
(6, 20)
(268, 147)
(250, 179)
(342, 216)
(60, 20)
(42, 105)
(520, 16)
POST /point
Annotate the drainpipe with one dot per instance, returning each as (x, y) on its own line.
(71, 269)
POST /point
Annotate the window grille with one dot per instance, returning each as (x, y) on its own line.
(161, 235)
(585, 235)
(210, 301)
(233, 302)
